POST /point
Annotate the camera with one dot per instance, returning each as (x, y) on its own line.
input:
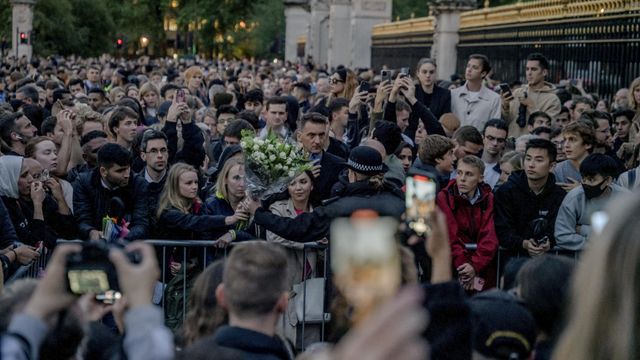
(91, 271)
(539, 227)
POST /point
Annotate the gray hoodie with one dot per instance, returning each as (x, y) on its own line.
(576, 211)
(10, 167)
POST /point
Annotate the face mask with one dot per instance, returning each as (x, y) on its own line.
(593, 191)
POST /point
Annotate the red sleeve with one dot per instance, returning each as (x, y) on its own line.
(459, 254)
(487, 239)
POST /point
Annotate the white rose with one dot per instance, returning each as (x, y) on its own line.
(256, 147)
(278, 167)
(283, 155)
(270, 147)
(285, 168)
(243, 144)
(292, 173)
(289, 161)
(272, 158)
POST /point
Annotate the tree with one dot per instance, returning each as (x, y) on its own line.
(407, 9)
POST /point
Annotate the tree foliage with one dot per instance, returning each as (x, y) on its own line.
(208, 27)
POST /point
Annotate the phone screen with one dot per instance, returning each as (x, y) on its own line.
(420, 200)
(364, 86)
(365, 262)
(505, 89)
(180, 96)
(386, 75)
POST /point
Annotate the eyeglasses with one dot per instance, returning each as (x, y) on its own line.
(162, 151)
(335, 81)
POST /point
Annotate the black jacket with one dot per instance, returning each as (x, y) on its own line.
(516, 206)
(8, 235)
(439, 103)
(329, 173)
(418, 111)
(192, 152)
(442, 179)
(315, 225)
(30, 231)
(338, 148)
(254, 345)
(154, 189)
(91, 203)
(176, 225)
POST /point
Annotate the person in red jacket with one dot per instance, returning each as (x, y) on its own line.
(467, 201)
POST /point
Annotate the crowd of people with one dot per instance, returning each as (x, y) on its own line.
(154, 149)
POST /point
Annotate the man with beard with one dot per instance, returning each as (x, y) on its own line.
(15, 131)
(95, 194)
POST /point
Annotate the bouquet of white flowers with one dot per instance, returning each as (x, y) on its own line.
(270, 163)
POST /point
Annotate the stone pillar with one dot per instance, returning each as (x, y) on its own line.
(339, 33)
(365, 14)
(297, 24)
(446, 37)
(317, 45)
(22, 22)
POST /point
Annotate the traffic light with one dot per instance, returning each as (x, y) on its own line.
(119, 43)
(24, 39)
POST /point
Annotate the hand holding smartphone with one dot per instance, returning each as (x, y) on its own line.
(365, 260)
(181, 97)
(506, 90)
(420, 200)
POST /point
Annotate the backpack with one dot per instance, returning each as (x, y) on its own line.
(176, 297)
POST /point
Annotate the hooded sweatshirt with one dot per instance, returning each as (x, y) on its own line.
(10, 167)
(575, 211)
(516, 206)
(544, 99)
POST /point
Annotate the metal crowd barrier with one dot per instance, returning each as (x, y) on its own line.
(192, 249)
(205, 251)
(33, 270)
(503, 256)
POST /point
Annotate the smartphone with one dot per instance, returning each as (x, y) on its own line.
(420, 200)
(542, 241)
(504, 87)
(365, 261)
(404, 72)
(386, 75)
(180, 96)
(364, 86)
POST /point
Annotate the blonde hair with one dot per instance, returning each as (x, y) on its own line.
(605, 317)
(170, 196)
(113, 94)
(190, 72)
(632, 99)
(221, 182)
(350, 85)
(147, 88)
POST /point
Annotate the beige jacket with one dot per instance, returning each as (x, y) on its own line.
(295, 258)
(544, 99)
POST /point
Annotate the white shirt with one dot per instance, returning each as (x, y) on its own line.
(475, 108)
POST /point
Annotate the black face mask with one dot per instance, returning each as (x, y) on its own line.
(593, 191)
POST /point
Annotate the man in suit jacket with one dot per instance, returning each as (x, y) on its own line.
(313, 129)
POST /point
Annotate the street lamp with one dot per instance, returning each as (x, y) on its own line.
(144, 41)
